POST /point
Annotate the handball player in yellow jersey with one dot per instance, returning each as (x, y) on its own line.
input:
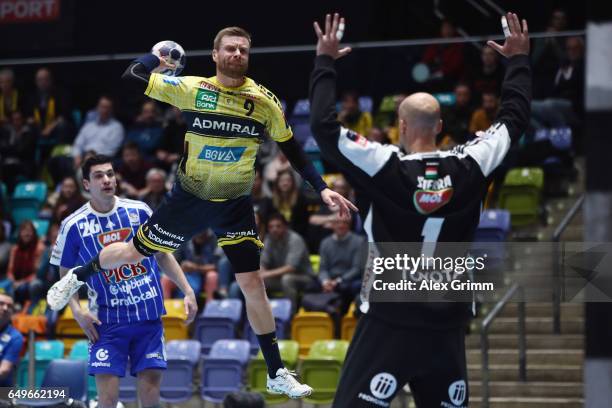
(227, 117)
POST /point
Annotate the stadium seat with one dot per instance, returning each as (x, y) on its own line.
(386, 112)
(189, 350)
(67, 325)
(4, 198)
(521, 195)
(36, 190)
(80, 351)
(41, 226)
(257, 370)
(174, 320)
(281, 310)
(71, 374)
(321, 369)
(223, 369)
(446, 98)
(307, 327)
(366, 104)
(494, 226)
(45, 352)
(219, 320)
(24, 209)
(177, 381)
(560, 138)
(229, 308)
(490, 236)
(349, 322)
(301, 109)
(300, 122)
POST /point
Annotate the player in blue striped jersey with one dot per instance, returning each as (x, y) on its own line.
(125, 304)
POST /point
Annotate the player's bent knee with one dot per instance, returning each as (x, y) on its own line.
(250, 283)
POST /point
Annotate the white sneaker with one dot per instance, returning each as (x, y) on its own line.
(285, 383)
(60, 293)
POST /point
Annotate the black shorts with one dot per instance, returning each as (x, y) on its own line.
(382, 358)
(181, 215)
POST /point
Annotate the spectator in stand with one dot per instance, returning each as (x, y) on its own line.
(24, 261)
(352, 117)
(285, 262)
(257, 193)
(10, 100)
(6, 285)
(565, 106)
(483, 117)
(17, 150)
(490, 74)
(321, 222)
(49, 110)
(198, 260)
(11, 342)
(146, 131)
(155, 190)
(288, 200)
(445, 61)
(272, 170)
(392, 130)
(133, 170)
(103, 135)
(456, 118)
(47, 273)
(342, 262)
(547, 55)
(172, 139)
(67, 200)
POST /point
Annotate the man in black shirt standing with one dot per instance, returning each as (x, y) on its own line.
(426, 195)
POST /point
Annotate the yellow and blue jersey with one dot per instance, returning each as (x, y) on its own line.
(225, 127)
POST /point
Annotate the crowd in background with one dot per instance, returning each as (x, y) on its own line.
(43, 137)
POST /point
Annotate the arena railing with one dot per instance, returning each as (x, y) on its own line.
(515, 289)
(286, 49)
(559, 288)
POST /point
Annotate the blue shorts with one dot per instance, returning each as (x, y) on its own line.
(142, 342)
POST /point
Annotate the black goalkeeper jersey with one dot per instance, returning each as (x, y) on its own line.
(431, 197)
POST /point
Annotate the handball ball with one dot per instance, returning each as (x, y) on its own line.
(171, 52)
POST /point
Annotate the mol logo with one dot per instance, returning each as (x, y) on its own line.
(221, 154)
(114, 236)
(428, 201)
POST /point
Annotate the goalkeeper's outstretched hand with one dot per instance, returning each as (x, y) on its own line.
(328, 42)
(517, 42)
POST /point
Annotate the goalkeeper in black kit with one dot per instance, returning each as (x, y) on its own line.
(418, 194)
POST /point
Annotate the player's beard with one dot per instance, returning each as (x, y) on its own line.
(234, 70)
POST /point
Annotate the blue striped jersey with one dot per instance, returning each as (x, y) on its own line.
(126, 294)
